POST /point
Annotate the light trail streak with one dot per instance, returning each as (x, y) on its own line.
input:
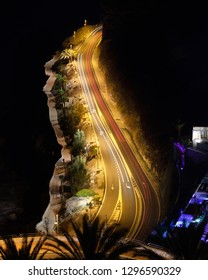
(122, 153)
(100, 125)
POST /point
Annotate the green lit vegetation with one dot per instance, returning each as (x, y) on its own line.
(85, 193)
(70, 111)
(77, 174)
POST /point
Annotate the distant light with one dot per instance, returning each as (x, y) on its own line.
(205, 234)
(198, 220)
(184, 220)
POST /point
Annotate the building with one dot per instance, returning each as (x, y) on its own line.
(196, 211)
(200, 138)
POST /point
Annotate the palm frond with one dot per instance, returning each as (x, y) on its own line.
(28, 248)
(67, 249)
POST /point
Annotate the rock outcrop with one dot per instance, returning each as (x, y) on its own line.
(50, 216)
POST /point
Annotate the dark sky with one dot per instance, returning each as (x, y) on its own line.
(38, 29)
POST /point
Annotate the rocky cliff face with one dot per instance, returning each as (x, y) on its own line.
(49, 218)
(60, 207)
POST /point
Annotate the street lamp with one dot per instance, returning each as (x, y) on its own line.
(97, 154)
(93, 179)
(56, 223)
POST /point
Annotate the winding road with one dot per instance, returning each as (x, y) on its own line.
(129, 195)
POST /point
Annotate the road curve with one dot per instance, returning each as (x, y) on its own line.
(143, 213)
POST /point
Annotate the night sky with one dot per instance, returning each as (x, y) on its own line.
(160, 49)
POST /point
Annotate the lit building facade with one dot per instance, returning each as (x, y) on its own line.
(199, 135)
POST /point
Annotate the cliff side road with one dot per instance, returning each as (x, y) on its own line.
(127, 182)
(128, 196)
(73, 206)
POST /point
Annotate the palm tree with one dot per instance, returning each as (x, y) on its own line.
(68, 54)
(91, 240)
(28, 249)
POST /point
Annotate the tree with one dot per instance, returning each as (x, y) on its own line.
(95, 239)
(59, 83)
(78, 143)
(88, 240)
(61, 99)
(68, 54)
(91, 240)
(77, 174)
(30, 248)
(60, 77)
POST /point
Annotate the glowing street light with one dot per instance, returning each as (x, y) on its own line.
(97, 154)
